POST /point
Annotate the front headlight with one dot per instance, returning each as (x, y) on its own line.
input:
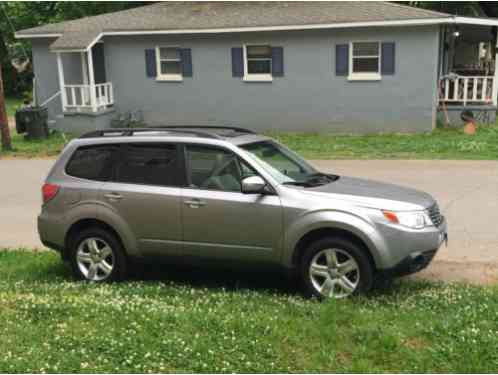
(409, 219)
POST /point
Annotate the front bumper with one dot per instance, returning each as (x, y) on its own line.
(418, 260)
(406, 250)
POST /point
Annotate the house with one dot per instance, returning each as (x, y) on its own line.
(352, 67)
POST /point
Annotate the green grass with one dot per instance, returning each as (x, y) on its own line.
(23, 148)
(11, 105)
(211, 321)
(440, 144)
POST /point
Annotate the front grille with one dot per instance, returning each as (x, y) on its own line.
(435, 215)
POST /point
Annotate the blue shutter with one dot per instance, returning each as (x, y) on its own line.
(342, 59)
(186, 56)
(237, 62)
(150, 63)
(387, 66)
(277, 61)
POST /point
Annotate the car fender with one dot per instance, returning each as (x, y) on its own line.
(332, 219)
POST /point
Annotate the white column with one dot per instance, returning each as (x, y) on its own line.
(494, 86)
(62, 87)
(93, 97)
(85, 92)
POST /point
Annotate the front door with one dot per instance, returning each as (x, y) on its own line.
(144, 194)
(219, 221)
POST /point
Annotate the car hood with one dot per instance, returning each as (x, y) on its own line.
(374, 194)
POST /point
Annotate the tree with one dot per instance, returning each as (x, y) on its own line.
(4, 122)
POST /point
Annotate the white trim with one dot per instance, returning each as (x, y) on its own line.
(364, 76)
(167, 77)
(62, 87)
(433, 21)
(29, 36)
(254, 77)
(91, 74)
(476, 21)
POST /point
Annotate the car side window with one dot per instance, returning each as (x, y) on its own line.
(213, 168)
(148, 164)
(92, 162)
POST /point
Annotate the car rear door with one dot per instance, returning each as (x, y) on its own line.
(144, 196)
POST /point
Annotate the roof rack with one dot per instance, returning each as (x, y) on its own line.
(241, 130)
(123, 132)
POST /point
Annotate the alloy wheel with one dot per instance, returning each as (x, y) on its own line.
(95, 259)
(334, 273)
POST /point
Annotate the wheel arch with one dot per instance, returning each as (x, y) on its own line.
(83, 224)
(329, 231)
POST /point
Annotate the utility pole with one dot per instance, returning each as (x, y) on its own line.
(4, 122)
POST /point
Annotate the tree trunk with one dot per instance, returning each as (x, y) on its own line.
(4, 122)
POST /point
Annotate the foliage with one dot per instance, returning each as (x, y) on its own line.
(184, 320)
(28, 14)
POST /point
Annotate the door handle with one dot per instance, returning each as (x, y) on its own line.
(113, 196)
(195, 203)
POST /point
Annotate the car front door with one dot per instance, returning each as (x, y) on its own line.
(219, 221)
(144, 196)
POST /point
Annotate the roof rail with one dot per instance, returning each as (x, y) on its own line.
(234, 128)
(123, 132)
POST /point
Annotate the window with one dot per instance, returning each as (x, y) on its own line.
(258, 63)
(365, 61)
(215, 169)
(92, 162)
(148, 164)
(169, 63)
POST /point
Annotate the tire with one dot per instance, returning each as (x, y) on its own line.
(324, 275)
(104, 263)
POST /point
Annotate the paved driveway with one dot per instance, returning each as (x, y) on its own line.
(467, 192)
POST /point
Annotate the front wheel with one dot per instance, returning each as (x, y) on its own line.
(335, 268)
(97, 255)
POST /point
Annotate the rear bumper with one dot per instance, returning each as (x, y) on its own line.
(50, 233)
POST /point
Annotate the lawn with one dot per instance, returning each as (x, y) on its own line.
(177, 320)
(22, 148)
(440, 144)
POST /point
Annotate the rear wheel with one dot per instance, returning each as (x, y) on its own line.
(335, 268)
(97, 255)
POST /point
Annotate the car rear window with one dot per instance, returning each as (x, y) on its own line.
(92, 162)
(149, 164)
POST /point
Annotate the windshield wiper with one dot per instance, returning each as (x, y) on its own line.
(321, 178)
(297, 183)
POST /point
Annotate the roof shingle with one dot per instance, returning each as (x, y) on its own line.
(78, 34)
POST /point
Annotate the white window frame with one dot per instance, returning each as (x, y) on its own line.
(251, 77)
(166, 77)
(372, 76)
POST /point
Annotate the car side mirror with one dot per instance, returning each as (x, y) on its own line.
(253, 185)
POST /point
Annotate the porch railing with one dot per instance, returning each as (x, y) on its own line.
(466, 89)
(79, 97)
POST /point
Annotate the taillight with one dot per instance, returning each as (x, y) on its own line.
(49, 191)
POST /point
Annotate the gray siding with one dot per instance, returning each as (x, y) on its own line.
(310, 97)
(46, 73)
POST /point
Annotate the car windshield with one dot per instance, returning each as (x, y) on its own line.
(284, 165)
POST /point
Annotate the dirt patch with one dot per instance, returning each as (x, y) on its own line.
(471, 272)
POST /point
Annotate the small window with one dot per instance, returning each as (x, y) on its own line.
(92, 162)
(365, 60)
(215, 169)
(258, 62)
(169, 63)
(149, 165)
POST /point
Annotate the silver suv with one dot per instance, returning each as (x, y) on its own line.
(227, 194)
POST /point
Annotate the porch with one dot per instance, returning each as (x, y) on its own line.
(467, 69)
(82, 78)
